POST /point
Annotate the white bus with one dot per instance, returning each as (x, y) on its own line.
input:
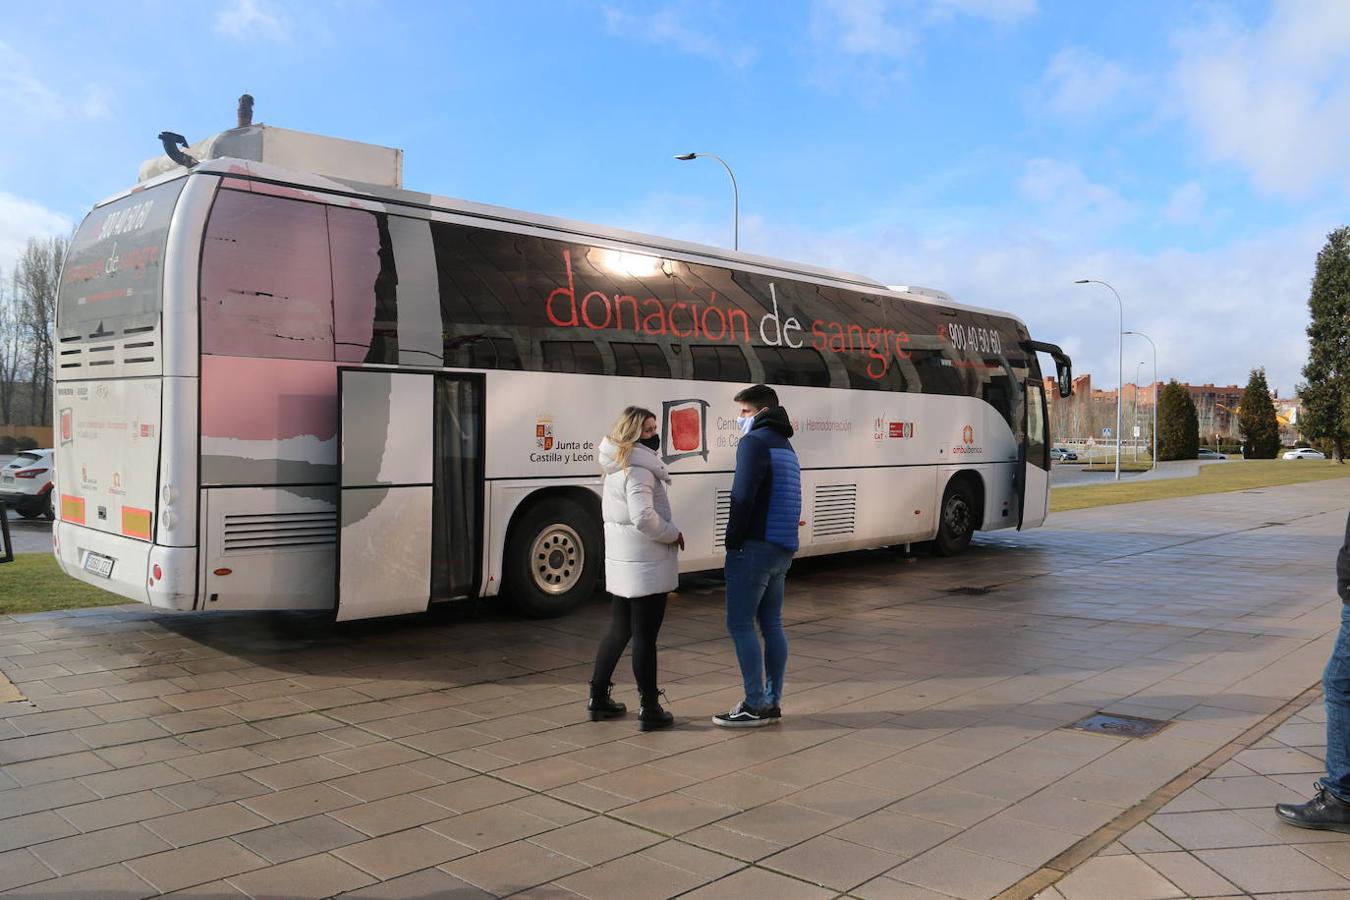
(283, 390)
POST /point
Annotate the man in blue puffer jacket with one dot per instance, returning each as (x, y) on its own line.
(766, 506)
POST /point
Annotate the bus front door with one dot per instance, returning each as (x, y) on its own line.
(1033, 483)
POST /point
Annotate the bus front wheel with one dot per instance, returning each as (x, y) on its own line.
(553, 558)
(956, 525)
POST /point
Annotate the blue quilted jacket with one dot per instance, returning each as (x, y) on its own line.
(766, 496)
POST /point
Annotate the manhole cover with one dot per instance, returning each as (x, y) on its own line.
(1120, 726)
(968, 591)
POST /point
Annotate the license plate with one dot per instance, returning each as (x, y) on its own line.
(7, 478)
(99, 564)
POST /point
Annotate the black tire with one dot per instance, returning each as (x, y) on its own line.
(553, 558)
(50, 511)
(956, 519)
(29, 513)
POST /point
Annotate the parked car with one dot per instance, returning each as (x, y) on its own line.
(1207, 453)
(1304, 453)
(1060, 453)
(26, 484)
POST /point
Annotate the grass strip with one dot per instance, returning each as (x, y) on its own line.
(1241, 475)
(33, 582)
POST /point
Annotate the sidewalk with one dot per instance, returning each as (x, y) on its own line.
(1221, 838)
(924, 750)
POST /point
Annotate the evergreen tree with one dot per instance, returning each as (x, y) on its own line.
(1326, 395)
(1256, 421)
(1178, 425)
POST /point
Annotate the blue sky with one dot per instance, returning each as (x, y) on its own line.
(1194, 155)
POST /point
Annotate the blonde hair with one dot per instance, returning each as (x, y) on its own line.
(627, 429)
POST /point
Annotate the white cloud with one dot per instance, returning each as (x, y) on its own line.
(1186, 205)
(667, 27)
(997, 11)
(245, 20)
(23, 93)
(1275, 99)
(1079, 83)
(21, 219)
(1067, 201)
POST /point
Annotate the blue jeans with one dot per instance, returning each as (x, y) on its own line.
(1336, 683)
(755, 576)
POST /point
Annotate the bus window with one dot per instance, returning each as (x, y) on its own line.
(494, 353)
(580, 357)
(641, 360)
(793, 365)
(266, 288)
(719, 364)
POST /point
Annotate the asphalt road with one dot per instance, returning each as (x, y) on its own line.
(30, 535)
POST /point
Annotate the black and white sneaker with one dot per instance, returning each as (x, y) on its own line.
(743, 716)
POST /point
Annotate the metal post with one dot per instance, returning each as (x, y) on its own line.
(1153, 389)
(1120, 363)
(735, 195)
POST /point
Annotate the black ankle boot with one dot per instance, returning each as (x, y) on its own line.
(1324, 811)
(651, 716)
(601, 705)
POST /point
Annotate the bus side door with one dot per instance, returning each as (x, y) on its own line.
(1033, 482)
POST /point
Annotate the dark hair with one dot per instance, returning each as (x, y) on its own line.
(761, 396)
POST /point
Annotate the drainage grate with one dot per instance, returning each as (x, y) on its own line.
(1120, 726)
(968, 591)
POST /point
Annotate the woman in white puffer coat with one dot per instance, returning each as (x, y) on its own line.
(642, 547)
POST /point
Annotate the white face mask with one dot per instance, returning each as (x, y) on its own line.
(744, 423)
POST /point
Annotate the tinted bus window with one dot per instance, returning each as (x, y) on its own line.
(580, 357)
(115, 265)
(265, 280)
(365, 281)
(787, 365)
(641, 360)
(719, 364)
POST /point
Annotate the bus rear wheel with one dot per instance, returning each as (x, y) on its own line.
(553, 558)
(956, 523)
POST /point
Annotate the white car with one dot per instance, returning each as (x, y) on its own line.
(1304, 453)
(26, 484)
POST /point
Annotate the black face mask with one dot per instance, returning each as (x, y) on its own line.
(652, 443)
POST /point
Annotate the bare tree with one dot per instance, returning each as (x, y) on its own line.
(13, 347)
(36, 280)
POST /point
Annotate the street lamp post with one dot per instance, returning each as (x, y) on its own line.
(1120, 362)
(735, 195)
(1154, 389)
(1134, 435)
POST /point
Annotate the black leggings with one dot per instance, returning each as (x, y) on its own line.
(639, 619)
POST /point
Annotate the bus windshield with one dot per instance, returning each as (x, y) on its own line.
(115, 267)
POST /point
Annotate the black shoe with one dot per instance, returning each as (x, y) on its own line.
(1324, 811)
(775, 712)
(651, 716)
(602, 706)
(743, 715)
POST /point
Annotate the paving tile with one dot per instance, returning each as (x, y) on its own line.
(1335, 855)
(117, 810)
(297, 803)
(298, 772)
(1192, 877)
(21, 749)
(473, 793)
(427, 883)
(312, 877)
(949, 806)
(212, 890)
(198, 864)
(830, 862)
(34, 828)
(208, 791)
(384, 816)
(374, 756)
(50, 795)
(491, 827)
(1270, 869)
(692, 859)
(902, 836)
(55, 768)
(513, 867)
(759, 884)
(1209, 830)
(98, 848)
(299, 747)
(633, 879)
(887, 888)
(398, 854)
(1014, 840)
(124, 756)
(960, 873)
(20, 867)
(219, 762)
(673, 814)
(1123, 877)
(782, 823)
(381, 783)
(205, 824)
(1144, 838)
(115, 881)
(300, 838)
(597, 840)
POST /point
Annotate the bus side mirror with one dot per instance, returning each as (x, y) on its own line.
(1064, 375)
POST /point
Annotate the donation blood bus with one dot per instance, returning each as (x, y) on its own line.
(287, 390)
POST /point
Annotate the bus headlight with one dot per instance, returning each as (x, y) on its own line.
(168, 494)
(167, 519)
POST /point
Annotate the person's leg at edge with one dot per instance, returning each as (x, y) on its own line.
(747, 578)
(1329, 809)
(600, 705)
(775, 638)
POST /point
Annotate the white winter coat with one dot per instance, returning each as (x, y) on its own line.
(641, 556)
